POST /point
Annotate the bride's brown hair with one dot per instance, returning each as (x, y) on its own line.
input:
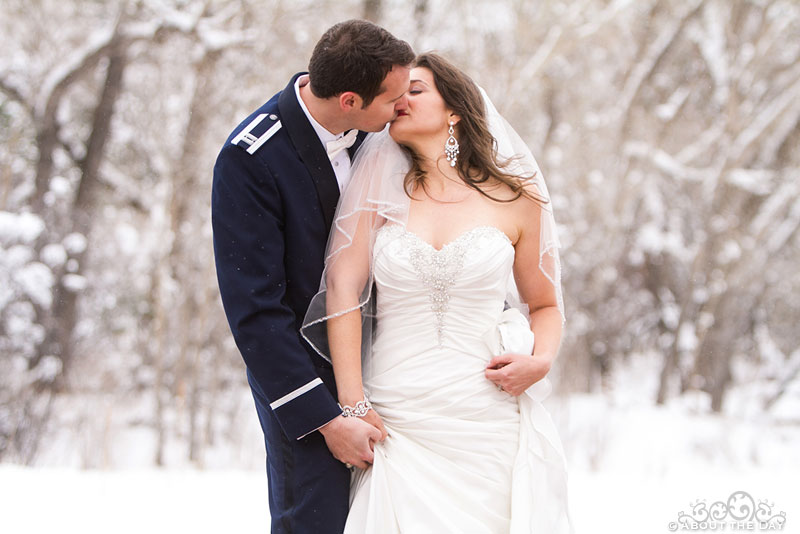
(477, 161)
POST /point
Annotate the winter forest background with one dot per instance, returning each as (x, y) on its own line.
(668, 132)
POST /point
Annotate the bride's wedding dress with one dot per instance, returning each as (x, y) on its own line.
(461, 455)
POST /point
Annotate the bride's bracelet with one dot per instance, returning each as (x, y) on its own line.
(359, 410)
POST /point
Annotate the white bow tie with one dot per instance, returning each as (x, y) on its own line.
(337, 145)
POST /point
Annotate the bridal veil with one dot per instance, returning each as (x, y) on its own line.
(375, 196)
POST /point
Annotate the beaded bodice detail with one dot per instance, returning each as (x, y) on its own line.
(437, 272)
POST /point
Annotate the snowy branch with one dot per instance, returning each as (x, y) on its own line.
(772, 207)
(792, 370)
(657, 49)
(76, 64)
(765, 118)
(14, 93)
(756, 181)
(665, 162)
(712, 45)
(786, 229)
(607, 15)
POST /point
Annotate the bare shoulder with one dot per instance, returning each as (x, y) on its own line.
(521, 212)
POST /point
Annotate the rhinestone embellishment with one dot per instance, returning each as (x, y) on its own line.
(438, 269)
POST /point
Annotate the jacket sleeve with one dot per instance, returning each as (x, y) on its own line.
(247, 222)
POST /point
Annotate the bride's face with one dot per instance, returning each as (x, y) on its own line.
(426, 115)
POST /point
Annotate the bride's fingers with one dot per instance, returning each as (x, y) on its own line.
(499, 361)
(384, 433)
(495, 375)
(374, 419)
(375, 433)
(380, 426)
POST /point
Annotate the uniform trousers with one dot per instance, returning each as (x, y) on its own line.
(308, 487)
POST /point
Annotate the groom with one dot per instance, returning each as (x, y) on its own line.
(276, 184)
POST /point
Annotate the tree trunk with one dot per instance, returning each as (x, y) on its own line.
(63, 316)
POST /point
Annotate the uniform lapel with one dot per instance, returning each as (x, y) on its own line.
(310, 149)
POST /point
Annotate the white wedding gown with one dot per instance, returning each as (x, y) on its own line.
(461, 456)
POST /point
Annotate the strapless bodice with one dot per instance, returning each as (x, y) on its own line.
(448, 296)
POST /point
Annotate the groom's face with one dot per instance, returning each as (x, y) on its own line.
(384, 107)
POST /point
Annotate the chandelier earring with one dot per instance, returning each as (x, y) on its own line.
(451, 146)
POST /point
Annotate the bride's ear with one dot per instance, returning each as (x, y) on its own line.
(454, 118)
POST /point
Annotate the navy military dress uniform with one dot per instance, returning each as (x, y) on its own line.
(274, 196)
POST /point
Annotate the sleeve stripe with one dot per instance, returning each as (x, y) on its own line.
(296, 393)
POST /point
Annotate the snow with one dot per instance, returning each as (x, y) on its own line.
(665, 162)
(755, 127)
(785, 229)
(756, 181)
(54, 255)
(633, 469)
(653, 240)
(19, 227)
(731, 251)
(99, 502)
(215, 39)
(70, 501)
(69, 65)
(667, 111)
(75, 243)
(687, 337)
(74, 282)
(60, 186)
(36, 280)
(16, 256)
(48, 368)
(712, 45)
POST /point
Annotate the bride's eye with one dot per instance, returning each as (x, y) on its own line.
(414, 91)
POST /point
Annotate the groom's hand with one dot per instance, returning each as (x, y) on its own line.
(515, 373)
(350, 440)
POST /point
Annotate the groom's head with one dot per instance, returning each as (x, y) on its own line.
(365, 68)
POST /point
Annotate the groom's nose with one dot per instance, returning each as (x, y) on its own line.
(402, 103)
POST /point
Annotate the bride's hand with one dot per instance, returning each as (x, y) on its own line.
(374, 419)
(514, 373)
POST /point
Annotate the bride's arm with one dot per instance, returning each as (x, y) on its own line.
(346, 281)
(535, 289)
(514, 372)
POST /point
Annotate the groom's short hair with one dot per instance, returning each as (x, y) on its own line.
(355, 55)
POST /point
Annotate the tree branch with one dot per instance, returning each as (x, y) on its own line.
(14, 94)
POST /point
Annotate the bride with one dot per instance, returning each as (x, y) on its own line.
(445, 243)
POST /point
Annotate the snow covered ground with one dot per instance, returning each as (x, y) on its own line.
(36, 500)
(632, 470)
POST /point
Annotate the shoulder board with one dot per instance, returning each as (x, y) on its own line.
(257, 132)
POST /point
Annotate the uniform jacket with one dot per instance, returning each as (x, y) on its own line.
(273, 200)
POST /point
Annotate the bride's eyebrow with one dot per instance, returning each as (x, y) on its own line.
(418, 81)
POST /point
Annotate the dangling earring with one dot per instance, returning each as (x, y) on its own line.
(451, 147)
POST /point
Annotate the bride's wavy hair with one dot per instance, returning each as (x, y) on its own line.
(477, 161)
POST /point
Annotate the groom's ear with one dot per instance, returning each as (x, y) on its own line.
(349, 101)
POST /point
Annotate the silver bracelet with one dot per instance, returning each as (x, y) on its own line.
(359, 410)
